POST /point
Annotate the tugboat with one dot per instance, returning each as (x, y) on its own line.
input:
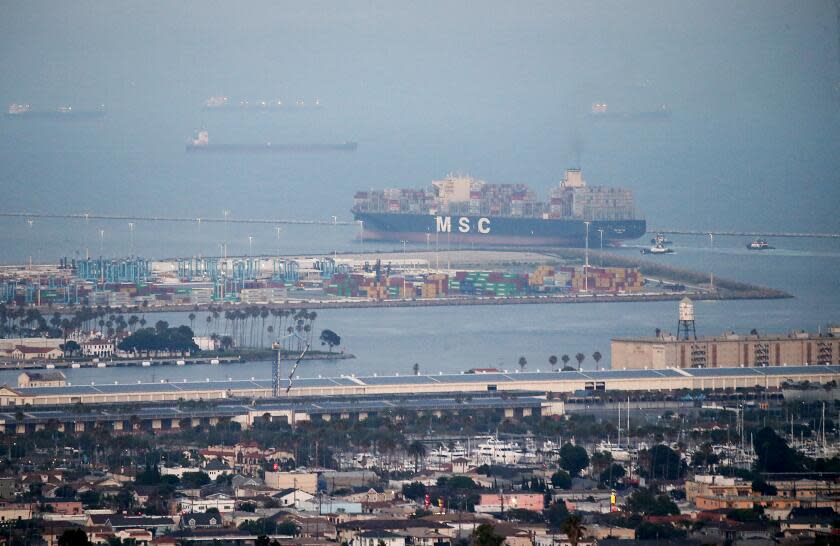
(759, 244)
(660, 240)
(658, 249)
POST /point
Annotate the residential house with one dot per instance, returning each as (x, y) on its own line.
(198, 520)
(11, 511)
(222, 502)
(216, 468)
(291, 497)
(155, 524)
(378, 538)
(808, 522)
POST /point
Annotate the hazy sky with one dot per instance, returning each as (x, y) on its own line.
(496, 89)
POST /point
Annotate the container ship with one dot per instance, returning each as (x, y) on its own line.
(462, 209)
(224, 104)
(201, 143)
(601, 111)
(25, 111)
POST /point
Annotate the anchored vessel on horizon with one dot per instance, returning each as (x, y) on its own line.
(25, 111)
(462, 209)
(201, 143)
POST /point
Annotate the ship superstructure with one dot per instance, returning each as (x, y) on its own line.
(468, 209)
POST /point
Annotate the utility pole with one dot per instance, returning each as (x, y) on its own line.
(586, 260)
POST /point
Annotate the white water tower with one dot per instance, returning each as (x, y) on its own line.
(685, 326)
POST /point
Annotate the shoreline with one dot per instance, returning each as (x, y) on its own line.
(206, 360)
(756, 294)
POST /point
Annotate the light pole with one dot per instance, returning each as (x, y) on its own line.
(250, 244)
(30, 221)
(101, 241)
(226, 213)
(278, 230)
(601, 233)
(711, 240)
(361, 231)
(404, 267)
(131, 237)
(586, 260)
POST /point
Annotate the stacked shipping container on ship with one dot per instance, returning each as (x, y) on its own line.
(470, 210)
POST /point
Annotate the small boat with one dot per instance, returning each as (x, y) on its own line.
(145, 364)
(759, 244)
(179, 362)
(661, 240)
(658, 249)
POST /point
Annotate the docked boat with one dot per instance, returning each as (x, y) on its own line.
(759, 244)
(495, 451)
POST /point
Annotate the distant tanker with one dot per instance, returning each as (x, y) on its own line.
(25, 111)
(201, 143)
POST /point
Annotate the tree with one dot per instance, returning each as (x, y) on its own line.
(580, 357)
(561, 480)
(662, 462)
(262, 540)
(573, 458)
(414, 490)
(774, 455)
(596, 356)
(565, 359)
(574, 529)
(764, 488)
(330, 338)
(417, 450)
(647, 502)
(522, 363)
(655, 531)
(73, 537)
(522, 515)
(416, 368)
(70, 347)
(556, 514)
(610, 476)
(485, 535)
(552, 360)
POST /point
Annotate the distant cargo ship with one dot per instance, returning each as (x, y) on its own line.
(461, 209)
(601, 111)
(201, 143)
(25, 111)
(223, 104)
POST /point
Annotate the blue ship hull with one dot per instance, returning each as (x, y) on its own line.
(494, 230)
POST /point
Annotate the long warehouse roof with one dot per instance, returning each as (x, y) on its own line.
(509, 379)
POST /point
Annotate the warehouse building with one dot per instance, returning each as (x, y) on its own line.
(727, 351)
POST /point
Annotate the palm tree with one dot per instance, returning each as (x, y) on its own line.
(580, 357)
(574, 529)
(191, 316)
(553, 361)
(522, 363)
(565, 359)
(417, 451)
(416, 368)
(596, 356)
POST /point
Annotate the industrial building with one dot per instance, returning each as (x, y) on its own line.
(462, 384)
(725, 351)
